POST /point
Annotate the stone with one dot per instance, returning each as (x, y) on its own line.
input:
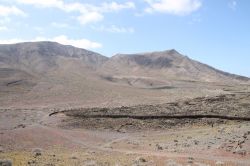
(159, 147)
(222, 130)
(219, 163)
(190, 160)
(201, 164)
(108, 146)
(241, 142)
(186, 144)
(196, 142)
(172, 163)
(90, 163)
(1, 149)
(21, 126)
(133, 142)
(140, 161)
(32, 162)
(241, 152)
(5, 163)
(91, 152)
(74, 157)
(37, 152)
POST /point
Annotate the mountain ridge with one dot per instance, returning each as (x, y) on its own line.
(166, 60)
(156, 60)
(48, 72)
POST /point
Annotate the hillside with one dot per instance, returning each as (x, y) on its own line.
(49, 74)
(165, 66)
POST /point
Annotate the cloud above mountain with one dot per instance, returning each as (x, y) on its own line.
(176, 7)
(80, 43)
(87, 13)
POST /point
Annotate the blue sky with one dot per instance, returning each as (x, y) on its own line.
(215, 32)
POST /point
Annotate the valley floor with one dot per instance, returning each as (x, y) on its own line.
(73, 137)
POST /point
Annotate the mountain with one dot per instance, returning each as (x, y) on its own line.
(32, 60)
(37, 67)
(40, 56)
(49, 74)
(165, 65)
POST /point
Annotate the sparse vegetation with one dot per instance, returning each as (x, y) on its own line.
(61, 105)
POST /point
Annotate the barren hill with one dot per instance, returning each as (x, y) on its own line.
(51, 74)
(166, 65)
(44, 69)
(41, 56)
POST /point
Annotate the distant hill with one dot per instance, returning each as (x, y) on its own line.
(51, 73)
(40, 56)
(41, 67)
(168, 64)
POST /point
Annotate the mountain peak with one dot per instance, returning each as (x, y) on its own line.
(42, 56)
(151, 60)
(169, 64)
(172, 51)
(46, 53)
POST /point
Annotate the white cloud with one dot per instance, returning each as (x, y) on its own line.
(114, 29)
(80, 7)
(175, 7)
(113, 6)
(3, 28)
(80, 43)
(42, 3)
(89, 18)
(11, 41)
(232, 4)
(88, 13)
(10, 10)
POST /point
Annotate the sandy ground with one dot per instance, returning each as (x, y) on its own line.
(186, 146)
(32, 137)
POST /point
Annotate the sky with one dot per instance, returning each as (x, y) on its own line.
(215, 32)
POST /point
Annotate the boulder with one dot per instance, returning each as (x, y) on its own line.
(37, 152)
(159, 147)
(240, 152)
(140, 161)
(5, 163)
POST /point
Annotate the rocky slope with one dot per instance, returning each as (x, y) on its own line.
(34, 69)
(41, 73)
(165, 65)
